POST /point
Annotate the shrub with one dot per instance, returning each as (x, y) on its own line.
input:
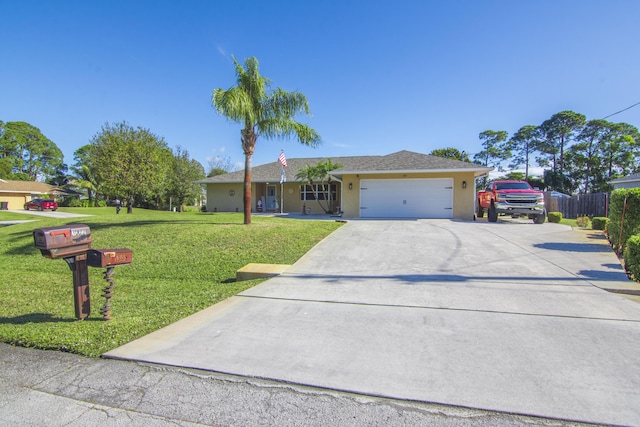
(582, 221)
(599, 223)
(554, 217)
(619, 229)
(632, 256)
(101, 203)
(75, 203)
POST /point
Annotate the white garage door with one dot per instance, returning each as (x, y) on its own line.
(406, 198)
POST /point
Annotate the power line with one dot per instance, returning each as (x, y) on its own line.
(618, 112)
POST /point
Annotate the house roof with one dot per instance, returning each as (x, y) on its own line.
(631, 178)
(399, 162)
(32, 187)
(25, 187)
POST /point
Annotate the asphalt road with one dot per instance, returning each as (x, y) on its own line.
(54, 389)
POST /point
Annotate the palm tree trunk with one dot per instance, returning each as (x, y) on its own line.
(247, 188)
(249, 138)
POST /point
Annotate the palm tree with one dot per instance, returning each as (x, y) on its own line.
(308, 174)
(84, 170)
(270, 114)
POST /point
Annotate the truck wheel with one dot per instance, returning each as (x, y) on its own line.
(479, 211)
(493, 213)
(539, 219)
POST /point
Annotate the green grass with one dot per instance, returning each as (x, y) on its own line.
(570, 222)
(182, 263)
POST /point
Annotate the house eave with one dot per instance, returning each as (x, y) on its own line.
(478, 172)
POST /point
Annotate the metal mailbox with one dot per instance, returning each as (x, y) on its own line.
(106, 258)
(73, 244)
(62, 242)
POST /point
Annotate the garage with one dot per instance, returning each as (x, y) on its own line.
(406, 198)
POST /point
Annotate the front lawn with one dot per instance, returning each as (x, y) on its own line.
(182, 263)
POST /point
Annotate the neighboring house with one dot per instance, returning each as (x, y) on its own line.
(399, 185)
(14, 194)
(631, 181)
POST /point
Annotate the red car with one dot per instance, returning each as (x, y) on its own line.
(41, 204)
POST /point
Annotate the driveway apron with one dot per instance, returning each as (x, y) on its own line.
(506, 316)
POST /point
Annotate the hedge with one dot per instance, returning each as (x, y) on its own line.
(631, 223)
(554, 217)
(599, 223)
(632, 256)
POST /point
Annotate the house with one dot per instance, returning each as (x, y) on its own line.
(399, 185)
(14, 194)
(631, 181)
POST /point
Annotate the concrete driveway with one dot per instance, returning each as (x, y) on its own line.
(48, 214)
(508, 316)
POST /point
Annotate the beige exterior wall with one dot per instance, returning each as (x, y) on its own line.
(17, 200)
(218, 198)
(463, 198)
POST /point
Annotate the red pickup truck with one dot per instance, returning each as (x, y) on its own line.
(514, 198)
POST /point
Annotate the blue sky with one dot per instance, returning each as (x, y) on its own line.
(380, 76)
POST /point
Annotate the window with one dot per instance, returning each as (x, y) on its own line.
(308, 192)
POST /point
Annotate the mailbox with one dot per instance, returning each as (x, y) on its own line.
(106, 258)
(73, 244)
(62, 242)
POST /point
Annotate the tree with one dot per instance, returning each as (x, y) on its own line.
(622, 155)
(29, 153)
(270, 114)
(130, 162)
(586, 155)
(451, 153)
(555, 135)
(84, 172)
(181, 181)
(522, 145)
(219, 166)
(495, 151)
(308, 175)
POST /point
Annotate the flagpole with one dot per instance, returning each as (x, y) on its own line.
(283, 178)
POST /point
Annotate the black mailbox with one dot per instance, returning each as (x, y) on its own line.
(62, 242)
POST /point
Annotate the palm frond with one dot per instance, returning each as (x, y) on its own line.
(284, 129)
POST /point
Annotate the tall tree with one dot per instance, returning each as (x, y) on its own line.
(130, 162)
(555, 135)
(451, 153)
(494, 150)
(522, 146)
(30, 153)
(84, 172)
(622, 155)
(586, 154)
(181, 179)
(262, 112)
(219, 166)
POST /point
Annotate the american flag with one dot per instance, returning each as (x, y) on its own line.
(282, 159)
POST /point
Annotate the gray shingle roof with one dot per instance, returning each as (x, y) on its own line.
(629, 178)
(402, 161)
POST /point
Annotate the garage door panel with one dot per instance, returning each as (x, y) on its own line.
(406, 198)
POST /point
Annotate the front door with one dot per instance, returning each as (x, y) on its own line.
(271, 198)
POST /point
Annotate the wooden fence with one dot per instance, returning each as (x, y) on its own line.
(596, 204)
